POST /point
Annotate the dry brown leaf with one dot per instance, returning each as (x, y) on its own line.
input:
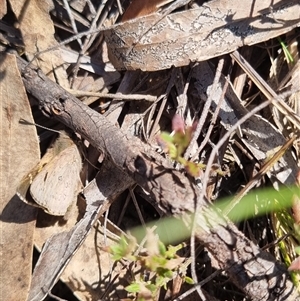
(138, 8)
(55, 181)
(153, 43)
(19, 153)
(38, 34)
(3, 8)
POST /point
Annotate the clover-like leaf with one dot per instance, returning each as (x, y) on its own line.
(123, 248)
(133, 287)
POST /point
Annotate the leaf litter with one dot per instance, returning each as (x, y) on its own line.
(185, 90)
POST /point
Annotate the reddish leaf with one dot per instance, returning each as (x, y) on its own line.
(178, 124)
(138, 8)
(295, 265)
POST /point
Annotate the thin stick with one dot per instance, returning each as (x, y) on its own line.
(136, 205)
(266, 89)
(118, 95)
(205, 110)
(23, 121)
(203, 282)
(73, 24)
(264, 169)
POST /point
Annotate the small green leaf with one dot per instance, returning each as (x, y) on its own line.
(173, 152)
(297, 250)
(287, 54)
(166, 142)
(151, 287)
(153, 263)
(161, 281)
(188, 280)
(123, 248)
(133, 288)
(166, 273)
(193, 169)
(172, 250)
(166, 137)
(182, 140)
(162, 248)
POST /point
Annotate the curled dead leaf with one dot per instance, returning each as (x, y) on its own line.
(138, 8)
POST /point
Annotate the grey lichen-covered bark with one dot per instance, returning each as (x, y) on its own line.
(251, 269)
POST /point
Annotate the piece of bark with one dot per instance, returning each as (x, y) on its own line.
(252, 270)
